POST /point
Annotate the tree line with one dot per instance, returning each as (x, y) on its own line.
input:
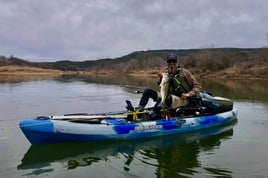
(245, 60)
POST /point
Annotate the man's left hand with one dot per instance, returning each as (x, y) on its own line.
(184, 96)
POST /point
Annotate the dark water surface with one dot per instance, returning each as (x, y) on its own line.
(236, 150)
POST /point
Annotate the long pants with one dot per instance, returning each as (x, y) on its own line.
(146, 95)
(149, 93)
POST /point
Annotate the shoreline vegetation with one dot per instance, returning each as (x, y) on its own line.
(221, 63)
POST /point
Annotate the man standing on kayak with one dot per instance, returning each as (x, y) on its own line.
(176, 85)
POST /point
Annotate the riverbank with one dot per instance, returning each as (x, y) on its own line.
(24, 73)
(255, 72)
(25, 70)
(227, 63)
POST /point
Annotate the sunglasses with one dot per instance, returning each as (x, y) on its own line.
(171, 61)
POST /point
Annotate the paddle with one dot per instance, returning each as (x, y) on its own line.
(87, 117)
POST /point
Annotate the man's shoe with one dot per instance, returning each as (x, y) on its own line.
(152, 115)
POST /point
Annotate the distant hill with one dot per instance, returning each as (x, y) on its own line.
(5, 61)
(228, 62)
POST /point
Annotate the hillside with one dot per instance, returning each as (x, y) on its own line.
(213, 62)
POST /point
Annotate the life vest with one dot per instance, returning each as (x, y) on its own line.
(179, 85)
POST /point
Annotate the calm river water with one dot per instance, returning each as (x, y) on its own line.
(237, 150)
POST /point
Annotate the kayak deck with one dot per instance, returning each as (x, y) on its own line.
(114, 126)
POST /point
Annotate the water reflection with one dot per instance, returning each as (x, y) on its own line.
(122, 80)
(233, 89)
(170, 155)
(24, 78)
(238, 89)
(164, 157)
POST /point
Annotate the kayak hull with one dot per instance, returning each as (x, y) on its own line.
(51, 130)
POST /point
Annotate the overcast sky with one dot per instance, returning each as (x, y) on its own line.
(51, 30)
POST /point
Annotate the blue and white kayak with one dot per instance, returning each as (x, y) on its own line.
(115, 126)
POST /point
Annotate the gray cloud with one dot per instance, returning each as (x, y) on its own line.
(84, 30)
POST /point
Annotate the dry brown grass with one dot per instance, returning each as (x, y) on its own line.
(21, 70)
(255, 72)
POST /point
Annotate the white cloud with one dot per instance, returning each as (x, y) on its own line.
(82, 29)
